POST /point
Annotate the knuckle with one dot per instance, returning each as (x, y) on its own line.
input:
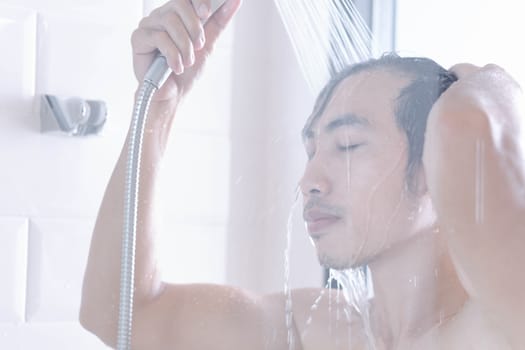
(144, 22)
(160, 37)
(196, 31)
(135, 36)
(156, 12)
(493, 67)
(174, 6)
(138, 37)
(178, 33)
(170, 20)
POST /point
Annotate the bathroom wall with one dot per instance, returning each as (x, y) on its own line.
(475, 31)
(229, 175)
(270, 103)
(51, 185)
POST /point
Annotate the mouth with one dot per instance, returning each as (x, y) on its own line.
(317, 222)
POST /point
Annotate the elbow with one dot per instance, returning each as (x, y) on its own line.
(86, 320)
(96, 325)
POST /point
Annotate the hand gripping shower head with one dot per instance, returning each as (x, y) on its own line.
(155, 77)
(159, 70)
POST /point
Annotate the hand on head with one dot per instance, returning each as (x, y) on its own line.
(463, 69)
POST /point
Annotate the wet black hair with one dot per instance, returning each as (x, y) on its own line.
(428, 80)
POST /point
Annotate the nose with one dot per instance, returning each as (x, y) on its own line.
(315, 180)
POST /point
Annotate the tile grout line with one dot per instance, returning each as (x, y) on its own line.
(26, 289)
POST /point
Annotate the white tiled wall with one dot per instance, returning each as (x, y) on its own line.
(57, 253)
(51, 185)
(18, 43)
(57, 335)
(13, 267)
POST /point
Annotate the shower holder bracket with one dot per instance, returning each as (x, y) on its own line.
(73, 115)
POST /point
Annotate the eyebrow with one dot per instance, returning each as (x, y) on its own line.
(348, 119)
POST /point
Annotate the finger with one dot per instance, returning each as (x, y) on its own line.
(463, 69)
(174, 26)
(190, 19)
(164, 43)
(493, 67)
(202, 8)
(138, 42)
(161, 17)
(149, 22)
(217, 23)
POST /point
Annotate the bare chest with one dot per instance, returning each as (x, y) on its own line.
(469, 330)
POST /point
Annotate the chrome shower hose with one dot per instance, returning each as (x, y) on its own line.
(154, 78)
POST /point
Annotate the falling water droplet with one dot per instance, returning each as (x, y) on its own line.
(287, 290)
(355, 284)
(480, 182)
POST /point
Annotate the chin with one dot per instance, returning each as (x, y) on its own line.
(332, 261)
(339, 259)
(342, 250)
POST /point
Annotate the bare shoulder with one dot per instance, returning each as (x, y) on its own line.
(207, 316)
(472, 328)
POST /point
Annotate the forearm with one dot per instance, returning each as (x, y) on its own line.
(100, 295)
(472, 149)
(474, 165)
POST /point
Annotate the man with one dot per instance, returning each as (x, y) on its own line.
(424, 186)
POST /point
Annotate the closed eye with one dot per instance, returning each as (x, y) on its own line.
(346, 148)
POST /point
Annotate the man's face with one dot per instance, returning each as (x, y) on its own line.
(356, 203)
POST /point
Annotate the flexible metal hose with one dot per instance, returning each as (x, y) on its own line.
(154, 78)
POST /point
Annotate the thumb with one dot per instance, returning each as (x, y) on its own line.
(219, 21)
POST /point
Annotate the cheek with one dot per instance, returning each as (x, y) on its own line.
(364, 177)
(377, 190)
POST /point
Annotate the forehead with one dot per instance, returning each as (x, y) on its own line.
(369, 96)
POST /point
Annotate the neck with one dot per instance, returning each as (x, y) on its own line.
(415, 287)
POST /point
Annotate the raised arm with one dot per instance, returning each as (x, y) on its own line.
(475, 167)
(165, 316)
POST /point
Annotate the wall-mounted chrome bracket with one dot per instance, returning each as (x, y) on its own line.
(74, 116)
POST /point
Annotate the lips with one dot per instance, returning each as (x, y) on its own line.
(317, 221)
